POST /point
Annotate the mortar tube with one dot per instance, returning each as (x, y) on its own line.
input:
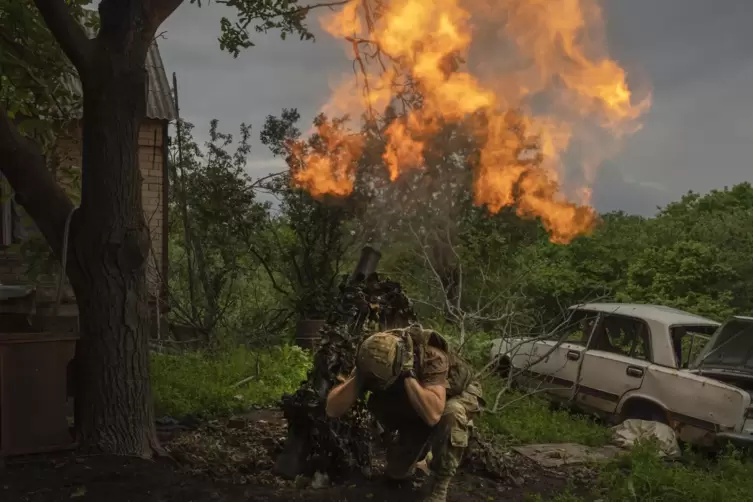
(367, 264)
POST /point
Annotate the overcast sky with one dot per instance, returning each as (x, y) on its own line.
(696, 54)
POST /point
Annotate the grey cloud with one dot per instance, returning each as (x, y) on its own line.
(264, 79)
(698, 56)
(698, 137)
(612, 192)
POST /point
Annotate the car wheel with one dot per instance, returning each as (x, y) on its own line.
(555, 406)
(504, 370)
(645, 411)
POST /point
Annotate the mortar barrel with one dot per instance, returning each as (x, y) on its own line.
(367, 264)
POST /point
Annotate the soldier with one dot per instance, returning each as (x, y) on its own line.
(420, 390)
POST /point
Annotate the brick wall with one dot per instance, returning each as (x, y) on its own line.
(12, 267)
(151, 161)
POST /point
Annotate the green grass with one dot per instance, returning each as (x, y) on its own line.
(202, 384)
(642, 476)
(522, 419)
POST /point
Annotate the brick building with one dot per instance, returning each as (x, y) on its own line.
(16, 229)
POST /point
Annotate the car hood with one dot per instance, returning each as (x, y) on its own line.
(730, 348)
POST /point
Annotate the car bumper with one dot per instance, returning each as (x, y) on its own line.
(736, 439)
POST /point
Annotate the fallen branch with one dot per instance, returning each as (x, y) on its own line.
(244, 381)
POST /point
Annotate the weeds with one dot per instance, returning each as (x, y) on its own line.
(204, 385)
(525, 419)
(644, 476)
(640, 475)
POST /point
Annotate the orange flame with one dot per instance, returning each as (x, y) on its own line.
(403, 150)
(556, 51)
(330, 172)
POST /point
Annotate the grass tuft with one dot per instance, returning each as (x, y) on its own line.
(203, 385)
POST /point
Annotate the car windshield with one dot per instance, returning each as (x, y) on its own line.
(731, 346)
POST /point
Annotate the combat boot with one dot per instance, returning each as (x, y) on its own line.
(438, 486)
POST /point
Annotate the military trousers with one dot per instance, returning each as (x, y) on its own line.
(446, 441)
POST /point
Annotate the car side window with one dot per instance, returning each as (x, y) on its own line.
(576, 329)
(622, 335)
(688, 342)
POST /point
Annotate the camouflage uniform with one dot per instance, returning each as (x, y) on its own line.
(447, 440)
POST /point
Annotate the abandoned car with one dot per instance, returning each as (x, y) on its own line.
(648, 362)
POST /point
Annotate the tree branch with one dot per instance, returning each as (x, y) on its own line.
(23, 165)
(68, 32)
(160, 10)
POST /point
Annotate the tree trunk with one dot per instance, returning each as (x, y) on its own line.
(108, 243)
(111, 243)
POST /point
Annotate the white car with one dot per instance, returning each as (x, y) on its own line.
(648, 362)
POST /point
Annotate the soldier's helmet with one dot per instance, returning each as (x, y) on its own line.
(378, 360)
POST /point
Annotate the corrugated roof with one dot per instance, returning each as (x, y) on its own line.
(658, 313)
(159, 103)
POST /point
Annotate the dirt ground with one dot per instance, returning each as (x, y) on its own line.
(231, 461)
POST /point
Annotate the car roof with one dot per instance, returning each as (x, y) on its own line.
(743, 318)
(657, 313)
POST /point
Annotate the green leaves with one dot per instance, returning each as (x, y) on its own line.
(685, 275)
(695, 255)
(35, 72)
(214, 215)
(287, 16)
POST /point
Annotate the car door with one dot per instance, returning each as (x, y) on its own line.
(551, 364)
(615, 362)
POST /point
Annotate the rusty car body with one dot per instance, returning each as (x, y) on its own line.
(649, 362)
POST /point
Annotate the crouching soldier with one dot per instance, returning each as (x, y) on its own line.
(420, 390)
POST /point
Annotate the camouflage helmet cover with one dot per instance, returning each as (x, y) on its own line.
(378, 359)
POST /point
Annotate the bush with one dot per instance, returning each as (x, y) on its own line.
(202, 384)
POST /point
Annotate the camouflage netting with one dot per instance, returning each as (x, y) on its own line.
(340, 447)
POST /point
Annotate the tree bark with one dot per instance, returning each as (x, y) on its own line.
(111, 245)
(109, 238)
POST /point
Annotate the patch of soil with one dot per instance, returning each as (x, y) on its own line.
(231, 461)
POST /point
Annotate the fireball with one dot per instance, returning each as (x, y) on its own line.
(532, 50)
